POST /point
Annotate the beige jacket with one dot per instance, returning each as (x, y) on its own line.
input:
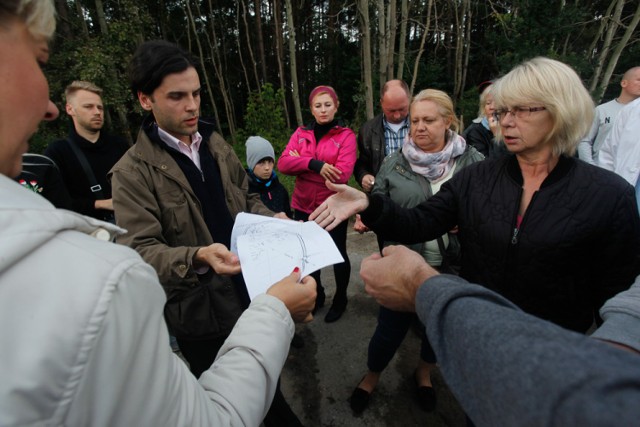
(83, 341)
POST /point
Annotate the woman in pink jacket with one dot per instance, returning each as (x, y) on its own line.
(320, 151)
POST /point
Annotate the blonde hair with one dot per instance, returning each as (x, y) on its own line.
(483, 100)
(556, 86)
(444, 103)
(80, 85)
(38, 15)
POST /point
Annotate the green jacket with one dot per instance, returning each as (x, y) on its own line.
(397, 180)
(155, 203)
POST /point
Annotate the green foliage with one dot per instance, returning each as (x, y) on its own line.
(264, 117)
(467, 107)
(328, 51)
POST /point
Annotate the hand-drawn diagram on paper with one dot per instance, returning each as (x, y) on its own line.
(270, 248)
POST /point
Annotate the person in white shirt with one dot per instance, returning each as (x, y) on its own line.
(590, 145)
(620, 152)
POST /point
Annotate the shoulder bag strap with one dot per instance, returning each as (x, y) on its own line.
(95, 188)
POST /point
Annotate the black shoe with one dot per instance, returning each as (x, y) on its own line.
(426, 396)
(335, 312)
(297, 341)
(359, 400)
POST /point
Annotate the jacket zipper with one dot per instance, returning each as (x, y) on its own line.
(516, 229)
(514, 238)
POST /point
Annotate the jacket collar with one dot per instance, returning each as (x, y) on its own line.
(83, 142)
(206, 127)
(311, 125)
(564, 166)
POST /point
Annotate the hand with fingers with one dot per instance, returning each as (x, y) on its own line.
(298, 295)
(394, 278)
(341, 206)
(218, 257)
(330, 172)
(367, 182)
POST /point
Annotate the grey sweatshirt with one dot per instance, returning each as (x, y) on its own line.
(509, 368)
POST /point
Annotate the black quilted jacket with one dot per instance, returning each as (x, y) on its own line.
(577, 246)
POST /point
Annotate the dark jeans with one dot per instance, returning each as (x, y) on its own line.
(341, 271)
(200, 354)
(390, 332)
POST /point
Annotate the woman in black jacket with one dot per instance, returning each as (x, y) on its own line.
(481, 132)
(556, 236)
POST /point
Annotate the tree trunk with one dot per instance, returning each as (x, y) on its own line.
(62, 9)
(613, 27)
(102, 22)
(463, 26)
(218, 70)
(404, 17)
(292, 62)
(363, 15)
(263, 60)
(613, 61)
(603, 25)
(280, 56)
(416, 65)
(391, 43)
(249, 49)
(382, 43)
(244, 68)
(83, 22)
(205, 75)
(113, 74)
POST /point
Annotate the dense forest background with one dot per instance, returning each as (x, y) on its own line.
(260, 58)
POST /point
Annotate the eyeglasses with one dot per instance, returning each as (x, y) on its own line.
(519, 112)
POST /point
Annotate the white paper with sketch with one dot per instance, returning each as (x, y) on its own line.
(270, 248)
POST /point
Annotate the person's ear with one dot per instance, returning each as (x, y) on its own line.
(145, 101)
(69, 109)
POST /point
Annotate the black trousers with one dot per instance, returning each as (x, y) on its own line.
(341, 271)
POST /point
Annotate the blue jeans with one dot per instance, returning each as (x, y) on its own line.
(390, 332)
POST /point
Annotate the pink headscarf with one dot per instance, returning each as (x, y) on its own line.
(323, 89)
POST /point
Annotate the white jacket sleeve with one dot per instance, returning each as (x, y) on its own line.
(132, 378)
(585, 146)
(607, 153)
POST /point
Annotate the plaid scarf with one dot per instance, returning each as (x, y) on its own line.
(434, 166)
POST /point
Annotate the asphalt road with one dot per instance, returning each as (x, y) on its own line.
(318, 379)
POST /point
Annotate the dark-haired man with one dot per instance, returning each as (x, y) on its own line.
(177, 192)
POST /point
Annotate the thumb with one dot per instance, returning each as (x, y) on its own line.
(295, 274)
(388, 250)
(230, 258)
(331, 186)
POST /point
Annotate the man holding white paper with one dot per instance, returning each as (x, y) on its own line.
(177, 192)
